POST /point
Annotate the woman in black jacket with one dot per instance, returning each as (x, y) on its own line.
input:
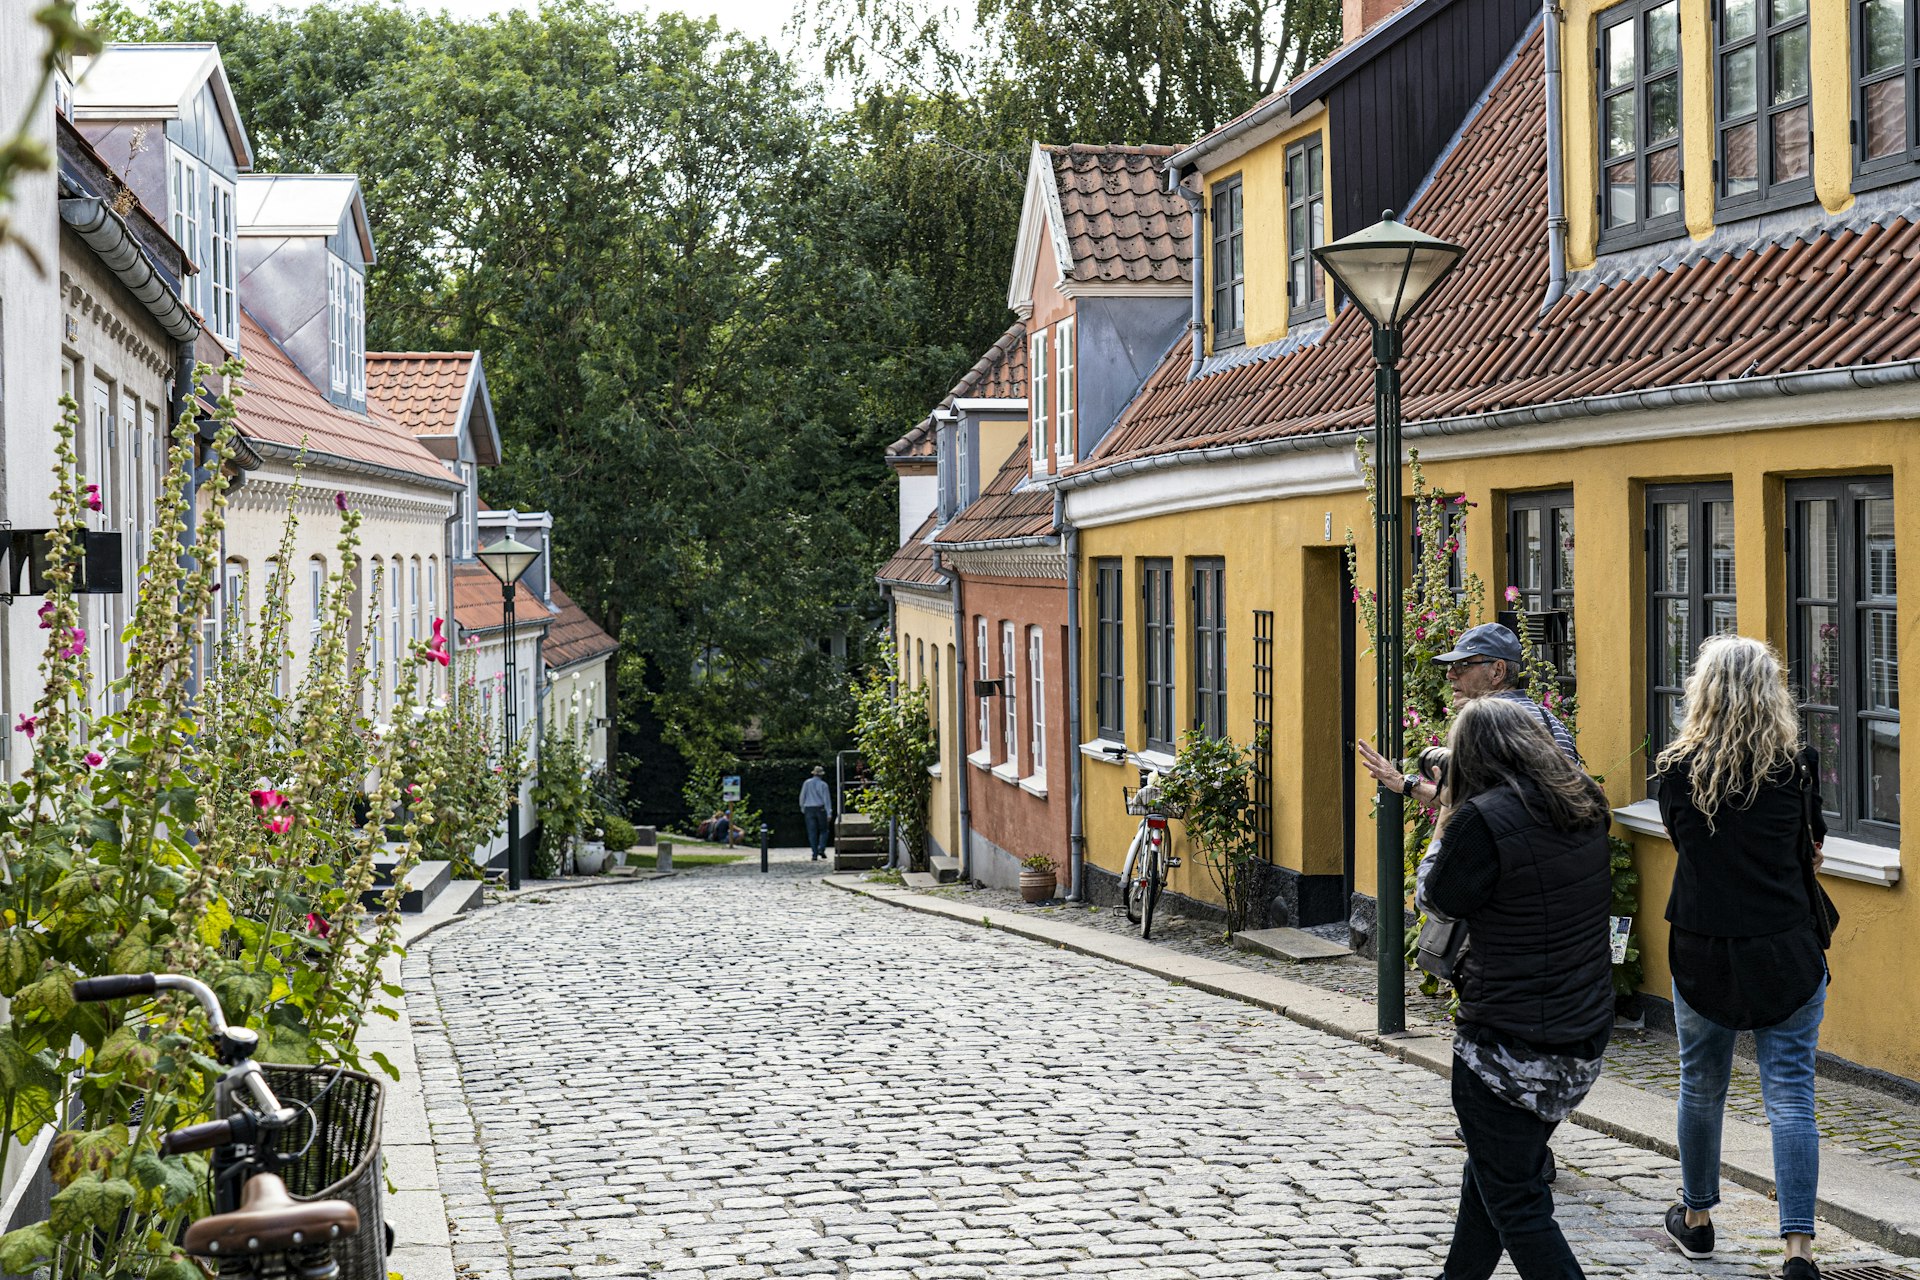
(1741, 801)
(1522, 858)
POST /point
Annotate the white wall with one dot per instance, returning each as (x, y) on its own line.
(490, 660)
(582, 689)
(919, 495)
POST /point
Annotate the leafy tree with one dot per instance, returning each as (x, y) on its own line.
(894, 730)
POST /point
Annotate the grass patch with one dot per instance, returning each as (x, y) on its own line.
(706, 859)
(885, 875)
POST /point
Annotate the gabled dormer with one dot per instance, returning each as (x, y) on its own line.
(305, 246)
(440, 398)
(969, 434)
(1101, 276)
(163, 115)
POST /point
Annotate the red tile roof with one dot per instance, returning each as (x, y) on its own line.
(281, 407)
(1000, 374)
(421, 390)
(572, 636)
(477, 603)
(1822, 297)
(912, 564)
(1122, 224)
(1000, 511)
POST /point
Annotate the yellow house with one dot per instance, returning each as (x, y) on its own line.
(1684, 328)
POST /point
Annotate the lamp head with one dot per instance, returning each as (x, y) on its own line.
(1389, 268)
(507, 559)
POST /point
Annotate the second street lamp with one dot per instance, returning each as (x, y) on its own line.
(506, 560)
(1388, 270)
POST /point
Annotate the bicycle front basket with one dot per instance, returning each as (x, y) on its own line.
(1142, 801)
(342, 1162)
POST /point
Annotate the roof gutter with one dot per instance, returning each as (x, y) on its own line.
(1213, 453)
(108, 237)
(289, 453)
(1001, 544)
(1281, 105)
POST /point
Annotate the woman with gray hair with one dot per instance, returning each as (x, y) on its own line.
(1522, 859)
(1741, 800)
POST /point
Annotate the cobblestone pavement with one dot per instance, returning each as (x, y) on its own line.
(725, 1074)
(1853, 1118)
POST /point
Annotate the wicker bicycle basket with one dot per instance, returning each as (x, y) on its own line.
(332, 1152)
(1154, 804)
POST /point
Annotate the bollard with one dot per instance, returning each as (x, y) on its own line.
(663, 856)
(763, 846)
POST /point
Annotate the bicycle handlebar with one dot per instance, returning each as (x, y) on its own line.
(115, 985)
(205, 1137)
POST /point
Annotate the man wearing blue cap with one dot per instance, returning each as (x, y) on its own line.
(1486, 663)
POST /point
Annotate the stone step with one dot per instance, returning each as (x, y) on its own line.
(1289, 944)
(853, 824)
(859, 844)
(947, 869)
(844, 861)
(919, 880)
(424, 883)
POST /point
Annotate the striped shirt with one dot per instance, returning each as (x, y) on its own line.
(1552, 722)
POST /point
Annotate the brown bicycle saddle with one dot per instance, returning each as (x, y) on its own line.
(270, 1221)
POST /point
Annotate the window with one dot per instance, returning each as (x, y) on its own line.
(1690, 540)
(1453, 514)
(1036, 665)
(234, 590)
(375, 630)
(1639, 75)
(1885, 69)
(1037, 434)
(356, 335)
(316, 593)
(1764, 112)
(1156, 621)
(1229, 266)
(963, 492)
(336, 323)
(980, 673)
(222, 312)
(433, 586)
(413, 601)
(1009, 697)
(1209, 647)
(1843, 650)
(1066, 437)
(394, 573)
(933, 704)
(1306, 231)
(1263, 732)
(186, 207)
(1540, 571)
(1109, 599)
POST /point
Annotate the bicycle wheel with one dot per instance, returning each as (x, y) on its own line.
(1150, 884)
(1130, 880)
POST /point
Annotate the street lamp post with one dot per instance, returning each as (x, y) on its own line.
(507, 559)
(1388, 269)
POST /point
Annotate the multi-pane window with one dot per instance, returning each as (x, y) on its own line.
(963, 474)
(1229, 265)
(413, 601)
(1639, 76)
(222, 311)
(184, 193)
(1037, 373)
(375, 631)
(1263, 732)
(1066, 402)
(433, 586)
(356, 335)
(1209, 647)
(1540, 571)
(394, 573)
(1690, 570)
(1843, 647)
(1009, 697)
(1764, 110)
(1452, 559)
(1886, 82)
(1156, 632)
(933, 703)
(1109, 600)
(1306, 231)
(980, 666)
(336, 323)
(316, 593)
(1036, 682)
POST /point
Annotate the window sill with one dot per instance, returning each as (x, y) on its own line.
(1098, 750)
(1845, 859)
(1035, 785)
(1007, 773)
(980, 760)
(935, 771)
(1672, 228)
(1154, 758)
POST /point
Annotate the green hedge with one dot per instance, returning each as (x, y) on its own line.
(773, 786)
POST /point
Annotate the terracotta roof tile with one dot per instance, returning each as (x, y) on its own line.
(912, 564)
(1003, 509)
(1000, 374)
(476, 602)
(571, 635)
(282, 407)
(421, 390)
(1842, 294)
(1122, 224)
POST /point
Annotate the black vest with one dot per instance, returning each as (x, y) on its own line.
(1538, 964)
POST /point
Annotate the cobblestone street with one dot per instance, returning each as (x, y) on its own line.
(724, 1074)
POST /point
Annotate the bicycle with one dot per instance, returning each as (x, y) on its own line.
(1144, 874)
(258, 1230)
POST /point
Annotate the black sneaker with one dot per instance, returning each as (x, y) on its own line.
(1697, 1242)
(1800, 1269)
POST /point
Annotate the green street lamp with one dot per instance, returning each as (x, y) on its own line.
(1388, 270)
(506, 560)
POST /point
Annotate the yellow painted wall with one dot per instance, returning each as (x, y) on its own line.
(931, 624)
(1263, 184)
(1832, 96)
(999, 438)
(1873, 1013)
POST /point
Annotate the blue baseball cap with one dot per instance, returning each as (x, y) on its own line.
(1488, 640)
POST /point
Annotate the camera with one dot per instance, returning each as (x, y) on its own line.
(1432, 764)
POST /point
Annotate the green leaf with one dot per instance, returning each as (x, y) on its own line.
(20, 956)
(92, 1202)
(104, 831)
(22, 1251)
(180, 1268)
(50, 999)
(80, 1153)
(21, 1067)
(214, 923)
(175, 1179)
(385, 1065)
(127, 1054)
(134, 954)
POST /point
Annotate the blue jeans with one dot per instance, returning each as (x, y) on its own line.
(817, 828)
(1785, 1053)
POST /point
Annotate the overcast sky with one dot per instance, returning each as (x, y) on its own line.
(761, 19)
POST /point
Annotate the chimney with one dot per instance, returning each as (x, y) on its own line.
(1357, 17)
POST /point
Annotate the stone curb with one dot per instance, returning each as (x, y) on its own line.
(1862, 1199)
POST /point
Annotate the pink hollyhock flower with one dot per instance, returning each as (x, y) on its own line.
(1419, 633)
(1513, 595)
(265, 798)
(437, 650)
(339, 500)
(91, 496)
(28, 725)
(280, 824)
(45, 609)
(1460, 501)
(79, 645)
(317, 924)
(95, 759)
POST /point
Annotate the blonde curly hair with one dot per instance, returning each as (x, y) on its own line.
(1742, 724)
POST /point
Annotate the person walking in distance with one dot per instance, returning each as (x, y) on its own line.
(816, 806)
(1740, 797)
(1522, 859)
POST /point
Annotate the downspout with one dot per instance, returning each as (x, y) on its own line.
(1197, 324)
(959, 701)
(1076, 802)
(1556, 177)
(446, 584)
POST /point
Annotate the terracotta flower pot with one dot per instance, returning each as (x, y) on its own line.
(1036, 886)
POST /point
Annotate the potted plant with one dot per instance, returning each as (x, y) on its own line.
(590, 858)
(1038, 879)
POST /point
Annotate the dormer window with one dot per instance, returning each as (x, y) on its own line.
(1639, 68)
(1037, 366)
(963, 480)
(1229, 266)
(1306, 231)
(356, 335)
(346, 329)
(1065, 408)
(1885, 87)
(1764, 111)
(202, 222)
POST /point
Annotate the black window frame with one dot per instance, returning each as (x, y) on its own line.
(1207, 594)
(1899, 166)
(1550, 600)
(1844, 778)
(1263, 733)
(1696, 498)
(1157, 651)
(1768, 194)
(1110, 681)
(1301, 264)
(1454, 513)
(1224, 238)
(1643, 228)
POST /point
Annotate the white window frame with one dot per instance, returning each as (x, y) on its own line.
(185, 182)
(316, 591)
(433, 585)
(413, 602)
(1066, 402)
(336, 323)
(984, 713)
(395, 571)
(223, 307)
(356, 335)
(1037, 378)
(962, 494)
(1009, 694)
(1036, 681)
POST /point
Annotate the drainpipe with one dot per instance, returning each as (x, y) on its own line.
(1556, 177)
(1197, 324)
(1076, 802)
(960, 700)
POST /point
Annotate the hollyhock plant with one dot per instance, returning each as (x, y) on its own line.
(280, 823)
(94, 759)
(319, 926)
(78, 645)
(339, 500)
(45, 621)
(28, 725)
(437, 650)
(91, 497)
(1513, 595)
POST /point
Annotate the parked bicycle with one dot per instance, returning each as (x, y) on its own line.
(1143, 876)
(260, 1230)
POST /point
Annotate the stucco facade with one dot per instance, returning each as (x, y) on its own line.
(923, 631)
